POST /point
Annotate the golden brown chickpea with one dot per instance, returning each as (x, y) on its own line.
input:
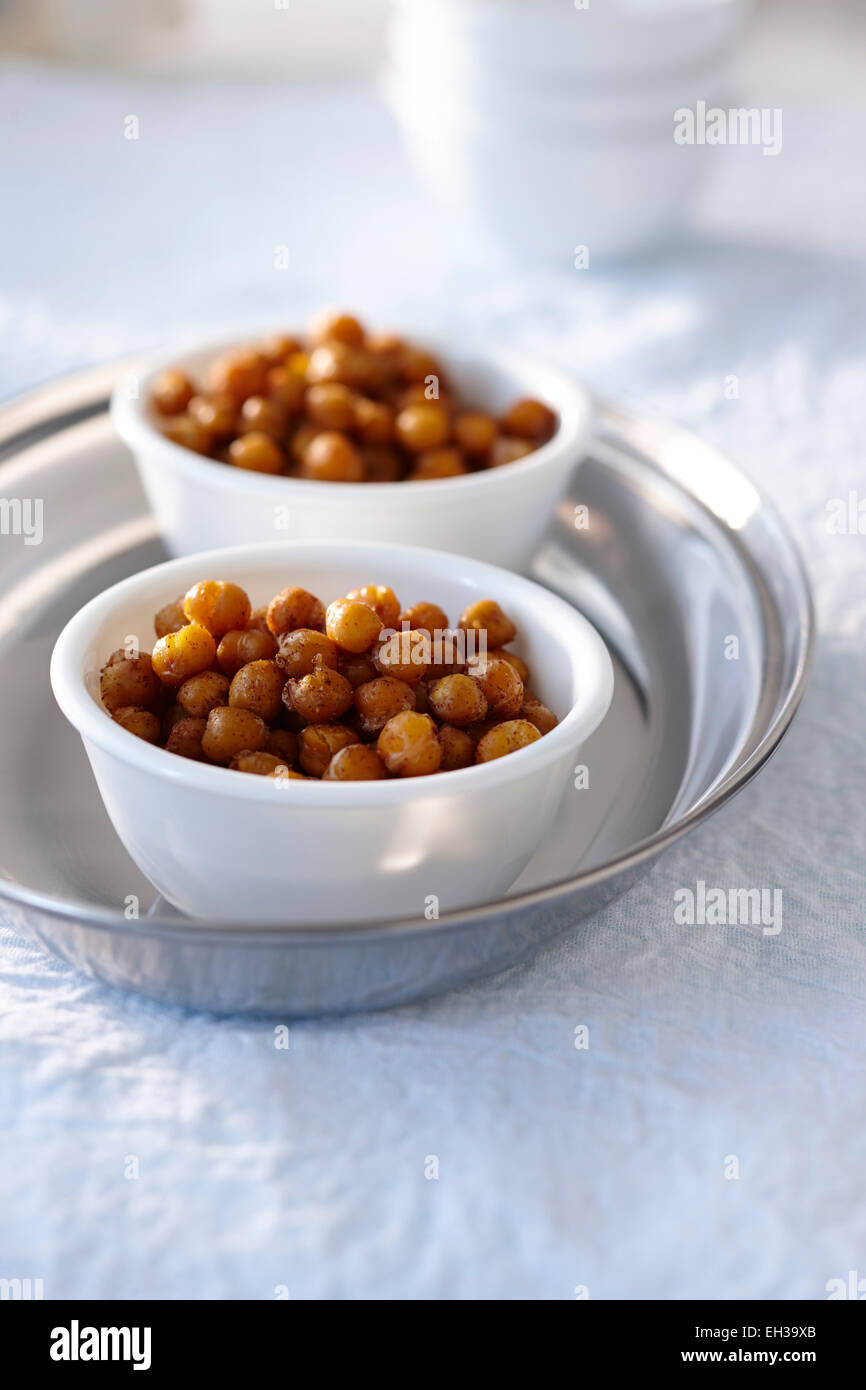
(258, 686)
(292, 608)
(508, 450)
(409, 745)
(529, 419)
(416, 364)
(438, 463)
(240, 646)
(200, 694)
(217, 415)
(184, 653)
(381, 464)
(358, 762)
(353, 625)
(381, 599)
(284, 744)
(318, 743)
(231, 731)
(336, 361)
(319, 698)
(257, 453)
(301, 437)
(171, 392)
(303, 650)
(188, 433)
(129, 680)
(459, 700)
(502, 687)
(171, 716)
(262, 415)
(260, 763)
(170, 618)
(538, 714)
(428, 616)
(513, 659)
(485, 615)
(357, 669)
(423, 426)
(373, 421)
(379, 700)
(331, 405)
(278, 348)
(217, 604)
(185, 738)
(505, 738)
(332, 326)
(474, 432)
(287, 388)
(405, 655)
(458, 748)
(141, 722)
(237, 375)
(331, 457)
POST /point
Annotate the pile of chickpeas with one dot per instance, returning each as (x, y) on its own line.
(343, 406)
(361, 690)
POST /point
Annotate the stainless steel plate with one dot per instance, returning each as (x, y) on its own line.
(678, 558)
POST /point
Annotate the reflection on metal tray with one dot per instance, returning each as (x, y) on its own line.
(678, 559)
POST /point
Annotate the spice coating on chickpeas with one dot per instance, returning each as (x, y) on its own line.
(343, 406)
(362, 690)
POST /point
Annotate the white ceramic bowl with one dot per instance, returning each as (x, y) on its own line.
(230, 845)
(498, 515)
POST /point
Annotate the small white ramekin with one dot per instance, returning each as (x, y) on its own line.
(228, 845)
(498, 515)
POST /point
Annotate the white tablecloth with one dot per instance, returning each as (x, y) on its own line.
(608, 1167)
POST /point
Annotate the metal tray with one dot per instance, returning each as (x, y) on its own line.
(680, 555)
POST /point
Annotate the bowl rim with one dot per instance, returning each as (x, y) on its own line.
(131, 418)
(583, 646)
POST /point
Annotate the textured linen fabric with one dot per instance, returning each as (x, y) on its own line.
(311, 1169)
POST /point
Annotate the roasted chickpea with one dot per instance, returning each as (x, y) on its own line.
(438, 463)
(409, 745)
(171, 716)
(185, 738)
(170, 618)
(258, 686)
(284, 744)
(218, 605)
(200, 694)
(513, 659)
(318, 743)
(217, 416)
(256, 452)
(278, 348)
(357, 669)
(172, 392)
(405, 655)
(129, 680)
(301, 651)
(357, 762)
(428, 616)
(379, 700)
(352, 624)
(332, 326)
(262, 764)
(186, 431)
(292, 608)
(458, 748)
(459, 700)
(319, 698)
(373, 421)
(184, 653)
(240, 646)
(474, 432)
(259, 619)
(231, 730)
(238, 375)
(509, 450)
(505, 738)
(262, 415)
(416, 365)
(529, 419)
(331, 457)
(287, 388)
(331, 405)
(423, 426)
(538, 714)
(485, 615)
(502, 687)
(381, 599)
(335, 361)
(381, 464)
(141, 722)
